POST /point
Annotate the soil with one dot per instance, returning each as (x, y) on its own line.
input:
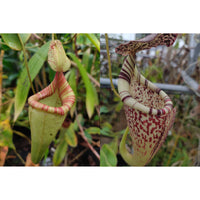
(84, 156)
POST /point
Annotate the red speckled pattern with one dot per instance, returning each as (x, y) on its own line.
(148, 132)
(149, 111)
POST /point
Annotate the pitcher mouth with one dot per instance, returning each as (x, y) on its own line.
(65, 93)
(128, 72)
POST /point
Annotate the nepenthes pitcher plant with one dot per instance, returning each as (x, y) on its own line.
(149, 110)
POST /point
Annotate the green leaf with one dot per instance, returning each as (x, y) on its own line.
(67, 74)
(72, 80)
(25, 37)
(89, 67)
(6, 134)
(119, 106)
(87, 60)
(106, 124)
(82, 40)
(93, 130)
(106, 131)
(60, 153)
(94, 40)
(51, 74)
(88, 136)
(23, 84)
(86, 56)
(90, 92)
(107, 156)
(81, 121)
(70, 135)
(12, 40)
(114, 144)
(103, 109)
(96, 98)
(72, 83)
(45, 156)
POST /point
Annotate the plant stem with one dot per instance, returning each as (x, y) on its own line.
(65, 160)
(38, 38)
(78, 156)
(52, 36)
(26, 63)
(3, 43)
(22, 135)
(90, 76)
(75, 46)
(67, 42)
(18, 155)
(174, 147)
(1, 75)
(82, 133)
(122, 146)
(109, 65)
(116, 93)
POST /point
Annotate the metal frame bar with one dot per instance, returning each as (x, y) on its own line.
(169, 88)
